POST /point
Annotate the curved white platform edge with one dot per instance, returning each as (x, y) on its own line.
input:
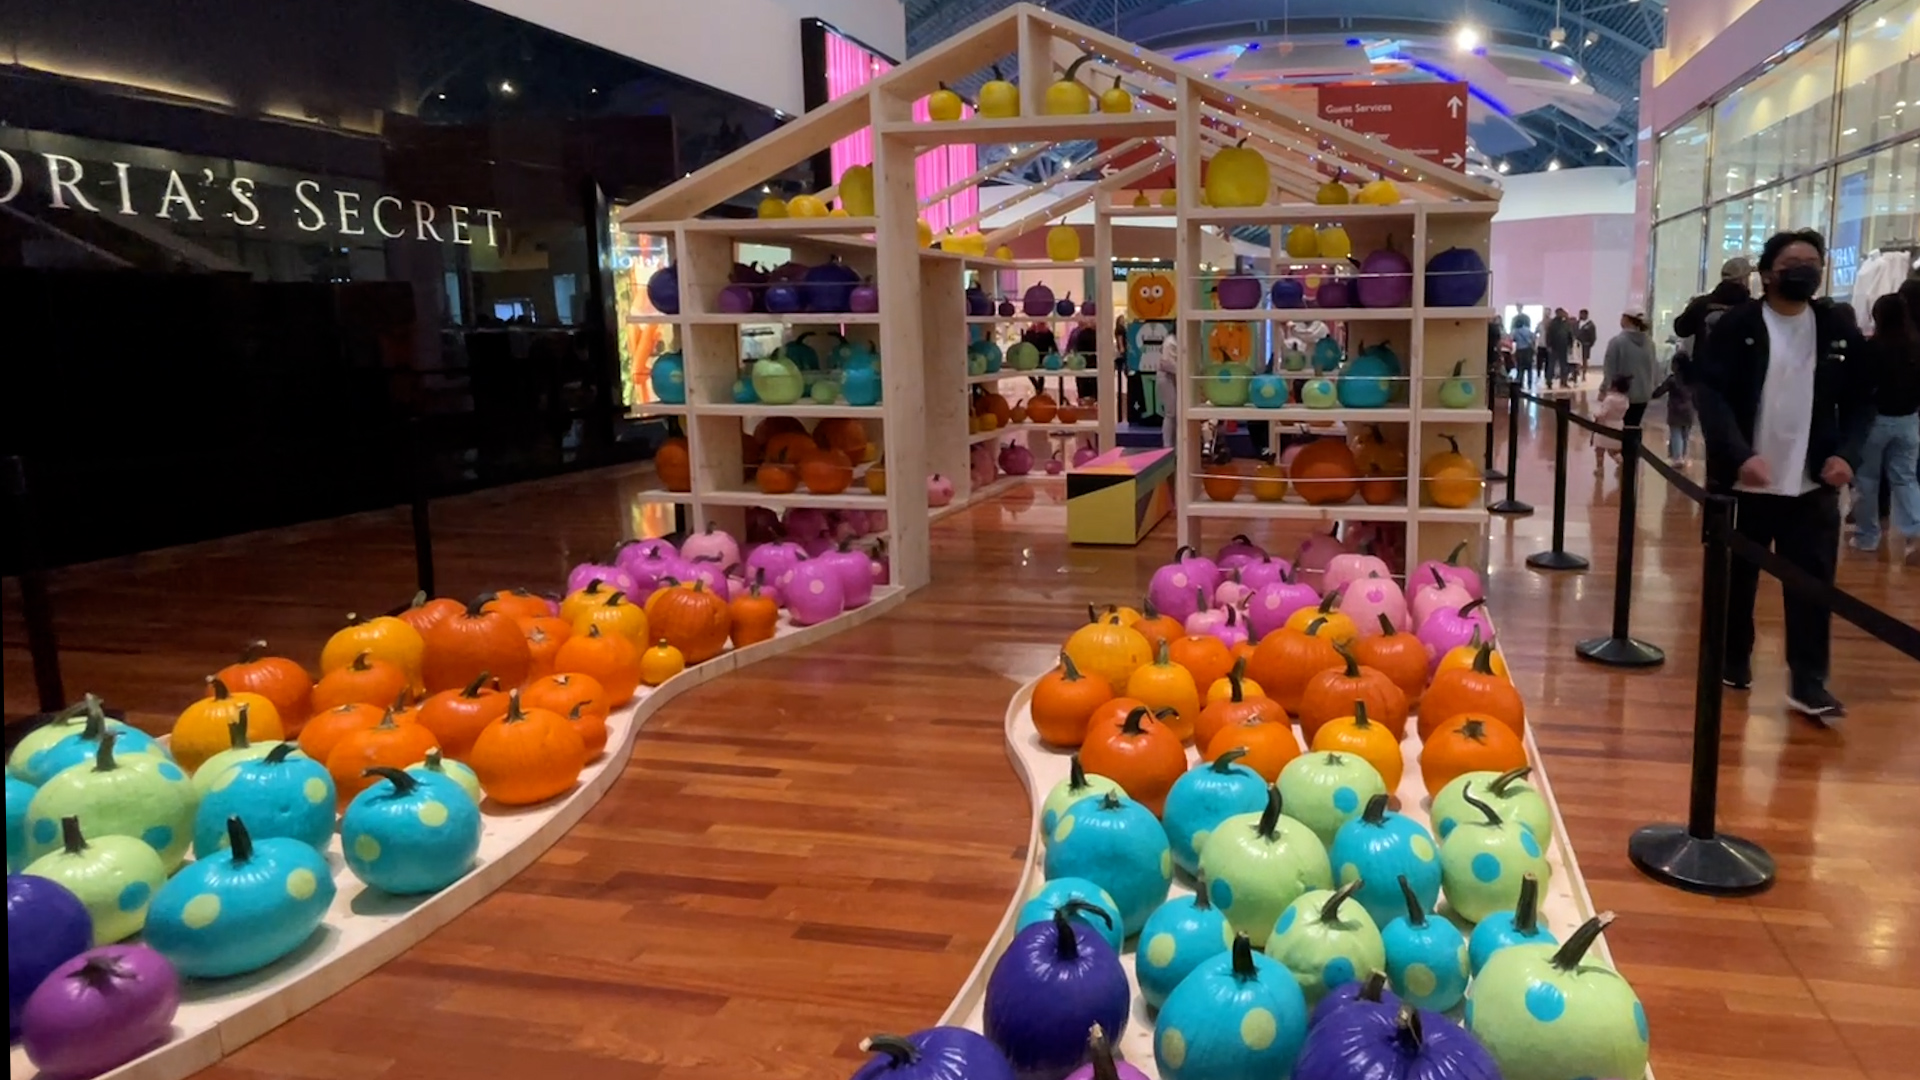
(366, 928)
(1564, 905)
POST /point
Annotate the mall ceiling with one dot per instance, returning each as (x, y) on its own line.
(1556, 82)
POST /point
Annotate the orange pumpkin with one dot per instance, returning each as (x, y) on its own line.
(1068, 414)
(1169, 690)
(518, 604)
(456, 717)
(766, 429)
(364, 681)
(1204, 657)
(1399, 656)
(1469, 742)
(424, 613)
(660, 663)
(1337, 692)
(691, 619)
(997, 405)
(1477, 689)
(824, 472)
(846, 434)
(610, 659)
(1064, 701)
(1139, 753)
(754, 615)
(1041, 408)
(674, 464)
(471, 642)
(545, 635)
(390, 742)
(325, 729)
(276, 678)
(384, 636)
(1335, 625)
(790, 446)
(776, 476)
(1238, 707)
(529, 755)
(1108, 647)
(1357, 734)
(1286, 660)
(1220, 476)
(591, 726)
(204, 726)
(1463, 656)
(565, 693)
(1158, 628)
(1268, 746)
(1324, 472)
(1379, 489)
(1112, 712)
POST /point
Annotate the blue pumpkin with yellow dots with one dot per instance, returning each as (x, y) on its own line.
(1238, 1016)
(1426, 954)
(146, 797)
(410, 834)
(1206, 795)
(1327, 940)
(1119, 845)
(1364, 383)
(1324, 790)
(240, 909)
(1269, 391)
(1505, 929)
(1179, 936)
(1075, 896)
(1484, 864)
(669, 378)
(115, 877)
(19, 795)
(283, 794)
(1078, 784)
(1379, 847)
(80, 746)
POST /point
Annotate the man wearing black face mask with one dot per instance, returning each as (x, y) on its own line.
(1785, 406)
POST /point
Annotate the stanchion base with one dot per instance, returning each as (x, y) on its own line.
(1493, 476)
(1556, 560)
(1510, 506)
(1720, 865)
(1620, 652)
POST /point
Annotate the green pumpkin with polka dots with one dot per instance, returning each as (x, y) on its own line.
(1257, 864)
(1508, 792)
(1325, 790)
(1079, 784)
(1327, 939)
(115, 877)
(240, 908)
(141, 796)
(1485, 862)
(1548, 1013)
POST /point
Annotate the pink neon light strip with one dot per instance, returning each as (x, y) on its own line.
(850, 67)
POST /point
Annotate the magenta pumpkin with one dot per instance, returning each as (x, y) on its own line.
(1432, 595)
(1179, 589)
(856, 574)
(1317, 552)
(939, 491)
(608, 574)
(648, 561)
(981, 465)
(711, 572)
(1055, 466)
(1449, 568)
(762, 525)
(1352, 566)
(806, 522)
(814, 592)
(1237, 552)
(1371, 599)
(1265, 571)
(1273, 605)
(1232, 629)
(864, 299)
(100, 1010)
(882, 564)
(1016, 460)
(1232, 592)
(773, 560)
(712, 543)
(1449, 628)
(1084, 455)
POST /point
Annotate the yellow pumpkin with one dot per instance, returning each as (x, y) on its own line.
(877, 479)
(856, 190)
(1069, 96)
(384, 636)
(1333, 193)
(1238, 176)
(1063, 243)
(1302, 243)
(1164, 685)
(806, 206)
(205, 727)
(1115, 99)
(999, 99)
(1108, 648)
(1269, 483)
(1334, 243)
(772, 207)
(615, 615)
(1222, 689)
(1003, 252)
(1378, 193)
(660, 663)
(926, 233)
(1450, 479)
(944, 105)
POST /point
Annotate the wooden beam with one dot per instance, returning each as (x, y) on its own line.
(984, 174)
(986, 42)
(1061, 177)
(1137, 171)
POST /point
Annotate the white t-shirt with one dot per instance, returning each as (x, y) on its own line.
(1168, 361)
(1784, 426)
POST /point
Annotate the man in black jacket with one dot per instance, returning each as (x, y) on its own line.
(1785, 402)
(1704, 310)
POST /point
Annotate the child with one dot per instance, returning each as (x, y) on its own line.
(1679, 409)
(1611, 411)
(1166, 375)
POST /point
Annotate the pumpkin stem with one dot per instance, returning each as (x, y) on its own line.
(237, 730)
(281, 752)
(95, 724)
(1236, 679)
(1575, 950)
(1314, 627)
(419, 600)
(1474, 730)
(1371, 987)
(402, 783)
(1492, 815)
(362, 661)
(1330, 911)
(514, 715)
(1066, 944)
(1135, 722)
(1201, 901)
(103, 757)
(1345, 649)
(1410, 1034)
(1162, 656)
(1499, 787)
(1483, 659)
(1067, 670)
(1329, 602)
(1223, 763)
(1386, 625)
(1526, 909)
(1452, 443)
(399, 702)
(219, 687)
(1360, 712)
(1474, 641)
(1270, 817)
(1110, 801)
(1093, 614)
(1376, 811)
(100, 972)
(1459, 549)
(252, 652)
(478, 605)
(434, 761)
(1099, 1050)
(615, 599)
(472, 689)
(1416, 911)
(1180, 553)
(1076, 774)
(238, 842)
(1147, 610)
(900, 1050)
(71, 839)
(1243, 957)
(1466, 609)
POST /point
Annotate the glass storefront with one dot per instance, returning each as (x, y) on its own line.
(1823, 139)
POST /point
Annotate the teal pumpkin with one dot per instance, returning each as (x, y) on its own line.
(743, 391)
(145, 797)
(1484, 863)
(239, 749)
(281, 794)
(411, 834)
(669, 379)
(1053, 361)
(995, 358)
(1117, 844)
(1327, 355)
(1062, 894)
(1548, 1013)
(1079, 784)
(1208, 794)
(1179, 936)
(860, 385)
(1327, 940)
(804, 356)
(1508, 792)
(1504, 929)
(1426, 955)
(240, 909)
(1325, 790)
(1269, 391)
(1364, 384)
(78, 746)
(19, 794)
(457, 771)
(1380, 847)
(1238, 1016)
(115, 877)
(1257, 864)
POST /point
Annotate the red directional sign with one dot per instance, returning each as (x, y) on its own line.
(1426, 119)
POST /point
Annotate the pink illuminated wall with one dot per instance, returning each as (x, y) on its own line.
(850, 67)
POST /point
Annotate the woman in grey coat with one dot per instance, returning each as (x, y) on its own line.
(1630, 355)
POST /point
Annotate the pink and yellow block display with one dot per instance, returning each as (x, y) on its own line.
(1118, 497)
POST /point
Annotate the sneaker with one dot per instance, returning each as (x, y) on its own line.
(1820, 706)
(1858, 544)
(1737, 676)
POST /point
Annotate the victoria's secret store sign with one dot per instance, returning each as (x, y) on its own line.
(58, 182)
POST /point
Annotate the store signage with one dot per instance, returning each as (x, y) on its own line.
(66, 183)
(1426, 119)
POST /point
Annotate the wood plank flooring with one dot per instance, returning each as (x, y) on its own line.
(820, 846)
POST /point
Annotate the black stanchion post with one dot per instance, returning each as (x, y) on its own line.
(1620, 648)
(1558, 557)
(1510, 504)
(43, 644)
(1487, 470)
(1696, 856)
(422, 523)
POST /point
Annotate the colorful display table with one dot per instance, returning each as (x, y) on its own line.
(1118, 497)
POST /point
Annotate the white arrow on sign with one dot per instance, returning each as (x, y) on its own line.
(1453, 161)
(1454, 105)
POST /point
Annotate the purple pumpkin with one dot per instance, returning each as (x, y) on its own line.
(978, 306)
(1051, 986)
(1449, 628)
(806, 522)
(612, 578)
(856, 574)
(710, 571)
(711, 543)
(1413, 1044)
(769, 562)
(735, 300)
(1177, 588)
(940, 1053)
(762, 525)
(47, 926)
(663, 290)
(1087, 310)
(649, 562)
(1064, 307)
(1006, 308)
(1370, 992)
(100, 1010)
(790, 272)
(1038, 302)
(1016, 460)
(829, 286)
(1289, 293)
(1457, 277)
(864, 299)
(783, 298)
(1386, 280)
(1265, 571)
(1239, 292)
(813, 591)
(1334, 293)
(1232, 591)
(1272, 605)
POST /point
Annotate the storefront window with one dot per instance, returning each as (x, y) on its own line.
(1880, 96)
(1876, 204)
(1676, 268)
(1681, 183)
(1780, 124)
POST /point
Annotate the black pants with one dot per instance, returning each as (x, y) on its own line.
(1634, 414)
(1805, 531)
(1260, 434)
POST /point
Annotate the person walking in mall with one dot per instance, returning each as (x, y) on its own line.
(1559, 342)
(1679, 407)
(1586, 336)
(1894, 442)
(1524, 347)
(1630, 356)
(1697, 319)
(1785, 417)
(1166, 380)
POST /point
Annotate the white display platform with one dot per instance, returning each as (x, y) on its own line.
(365, 928)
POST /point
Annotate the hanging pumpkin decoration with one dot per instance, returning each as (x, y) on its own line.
(1327, 939)
(276, 678)
(528, 756)
(1356, 734)
(1244, 704)
(1381, 848)
(1140, 753)
(203, 727)
(1399, 656)
(1286, 661)
(1238, 1016)
(456, 717)
(1203, 797)
(1338, 692)
(1053, 984)
(1257, 864)
(389, 743)
(1109, 649)
(471, 642)
(1269, 745)
(1063, 701)
(1475, 690)
(384, 637)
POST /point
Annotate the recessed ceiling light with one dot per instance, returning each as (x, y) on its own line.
(1553, 166)
(1466, 39)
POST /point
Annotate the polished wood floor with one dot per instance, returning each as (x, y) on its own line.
(819, 847)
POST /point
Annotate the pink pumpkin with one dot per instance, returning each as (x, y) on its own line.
(1205, 620)
(1178, 592)
(1352, 566)
(1238, 551)
(1371, 599)
(607, 574)
(1432, 595)
(882, 565)
(1448, 628)
(1232, 592)
(814, 591)
(982, 466)
(856, 574)
(713, 543)
(1055, 466)
(1232, 629)
(939, 491)
(1265, 571)
(1449, 568)
(710, 572)
(1272, 605)
(773, 561)
(1016, 460)
(1205, 572)
(649, 566)
(1316, 552)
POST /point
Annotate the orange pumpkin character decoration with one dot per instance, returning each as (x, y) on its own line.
(529, 755)
(1477, 690)
(518, 604)
(1470, 742)
(565, 693)
(1204, 657)
(1158, 628)
(545, 635)
(423, 613)
(276, 678)
(691, 619)
(610, 659)
(1169, 690)
(1151, 295)
(1336, 692)
(1244, 704)
(1140, 754)
(325, 729)
(390, 743)
(1399, 656)
(364, 681)
(674, 464)
(1286, 660)
(457, 717)
(1064, 701)
(1324, 472)
(753, 614)
(471, 642)
(205, 727)
(1266, 746)
(825, 472)
(1357, 734)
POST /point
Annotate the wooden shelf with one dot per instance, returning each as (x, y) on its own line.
(760, 230)
(994, 320)
(1293, 508)
(988, 262)
(799, 410)
(759, 318)
(1015, 430)
(1303, 314)
(659, 495)
(644, 409)
(1300, 414)
(1020, 129)
(1288, 213)
(853, 498)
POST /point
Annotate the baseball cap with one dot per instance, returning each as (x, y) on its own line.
(1637, 313)
(1735, 269)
